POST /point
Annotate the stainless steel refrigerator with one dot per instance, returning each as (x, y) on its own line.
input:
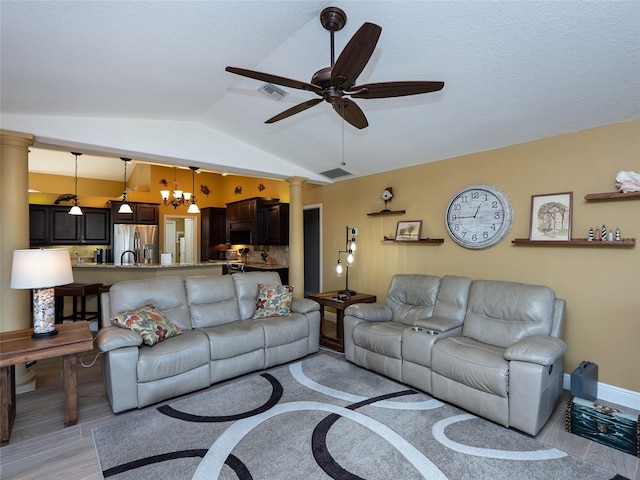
(135, 244)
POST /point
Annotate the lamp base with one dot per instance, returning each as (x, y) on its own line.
(45, 335)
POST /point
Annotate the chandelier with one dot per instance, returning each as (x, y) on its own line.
(176, 197)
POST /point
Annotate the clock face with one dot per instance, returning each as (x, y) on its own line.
(479, 216)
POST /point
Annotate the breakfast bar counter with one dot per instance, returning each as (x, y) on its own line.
(108, 273)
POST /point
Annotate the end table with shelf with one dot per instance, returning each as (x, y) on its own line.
(329, 299)
(19, 347)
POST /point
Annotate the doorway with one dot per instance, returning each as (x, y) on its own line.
(181, 238)
(312, 223)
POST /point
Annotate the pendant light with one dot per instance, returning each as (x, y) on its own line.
(193, 208)
(125, 207)
(75, 209)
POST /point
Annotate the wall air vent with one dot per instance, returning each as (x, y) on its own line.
(335, 173)
(272, 91)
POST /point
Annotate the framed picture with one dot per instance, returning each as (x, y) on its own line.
(551, 216)
(408, 231)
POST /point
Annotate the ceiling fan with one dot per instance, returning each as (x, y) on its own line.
(333, 84)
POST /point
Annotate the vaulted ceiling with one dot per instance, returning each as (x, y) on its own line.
(146, 79)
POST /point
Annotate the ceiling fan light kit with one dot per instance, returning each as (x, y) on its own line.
(333, 84)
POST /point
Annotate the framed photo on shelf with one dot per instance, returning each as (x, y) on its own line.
(408, 231)
(551, 217)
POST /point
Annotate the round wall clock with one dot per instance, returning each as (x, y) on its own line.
(479, 216)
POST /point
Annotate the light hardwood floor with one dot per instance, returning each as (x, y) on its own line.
(41, 448)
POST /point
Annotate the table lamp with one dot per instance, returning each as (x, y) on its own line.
(42, 270)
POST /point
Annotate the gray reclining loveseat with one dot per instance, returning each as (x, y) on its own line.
(494, 348)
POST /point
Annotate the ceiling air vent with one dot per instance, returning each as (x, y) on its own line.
(335, 173)
(272, 91)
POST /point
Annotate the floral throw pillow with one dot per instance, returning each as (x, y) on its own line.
(149, 323)
(273, 301)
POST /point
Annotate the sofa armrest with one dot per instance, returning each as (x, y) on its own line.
(540, 349)
(304, 305)
(371, 312)
(439, 324)
(112, 338)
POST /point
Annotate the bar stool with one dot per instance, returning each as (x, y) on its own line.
(75, 290)
(101, 289)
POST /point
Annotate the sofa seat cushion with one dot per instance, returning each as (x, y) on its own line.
(285, 330)
(237, 338)
(471, 363)
(173, 356)
(383, 338)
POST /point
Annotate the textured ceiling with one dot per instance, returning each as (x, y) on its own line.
(146, 79)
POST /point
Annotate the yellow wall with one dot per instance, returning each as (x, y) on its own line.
(601, 285)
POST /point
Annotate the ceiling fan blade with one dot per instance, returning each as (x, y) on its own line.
(394, 89)
(267, 77)
(351, 112)
(355, 55)
(293, 110)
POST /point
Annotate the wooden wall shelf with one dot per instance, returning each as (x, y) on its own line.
(611, 196)
(386, 212)
(422, 241)
(581, 242)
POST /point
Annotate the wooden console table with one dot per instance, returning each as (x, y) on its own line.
(328, 299)
(18, 347)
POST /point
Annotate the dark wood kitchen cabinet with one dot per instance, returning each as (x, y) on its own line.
(52, 225)
(273, 224)
(242, 220)
(96, 226)
(258, 221)
(212, 231)
(143, 213)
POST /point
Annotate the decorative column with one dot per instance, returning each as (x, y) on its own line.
(15, 313)
(296, 236)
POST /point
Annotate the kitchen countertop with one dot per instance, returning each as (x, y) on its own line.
(143, 265)
(259, 265)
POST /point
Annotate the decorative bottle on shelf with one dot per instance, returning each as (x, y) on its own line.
(617, 234)
(603, 233)
(590, 234)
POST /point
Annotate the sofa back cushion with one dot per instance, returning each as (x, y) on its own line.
(452, 298)
(246, 285)
(166, 294)
(212, 300)
(412, 297)
(501, 313)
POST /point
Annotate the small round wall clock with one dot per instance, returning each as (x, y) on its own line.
(479, 216)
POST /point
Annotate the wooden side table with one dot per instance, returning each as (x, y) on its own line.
(18, 347)
(329, 299)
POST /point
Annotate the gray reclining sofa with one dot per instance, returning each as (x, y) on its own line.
(494, 348)
(220, 339)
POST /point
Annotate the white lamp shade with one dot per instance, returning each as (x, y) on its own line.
(125, 208)
(193, 208)
(75, 210)
(40, 268)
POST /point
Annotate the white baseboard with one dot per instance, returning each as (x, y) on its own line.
(611, 393)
